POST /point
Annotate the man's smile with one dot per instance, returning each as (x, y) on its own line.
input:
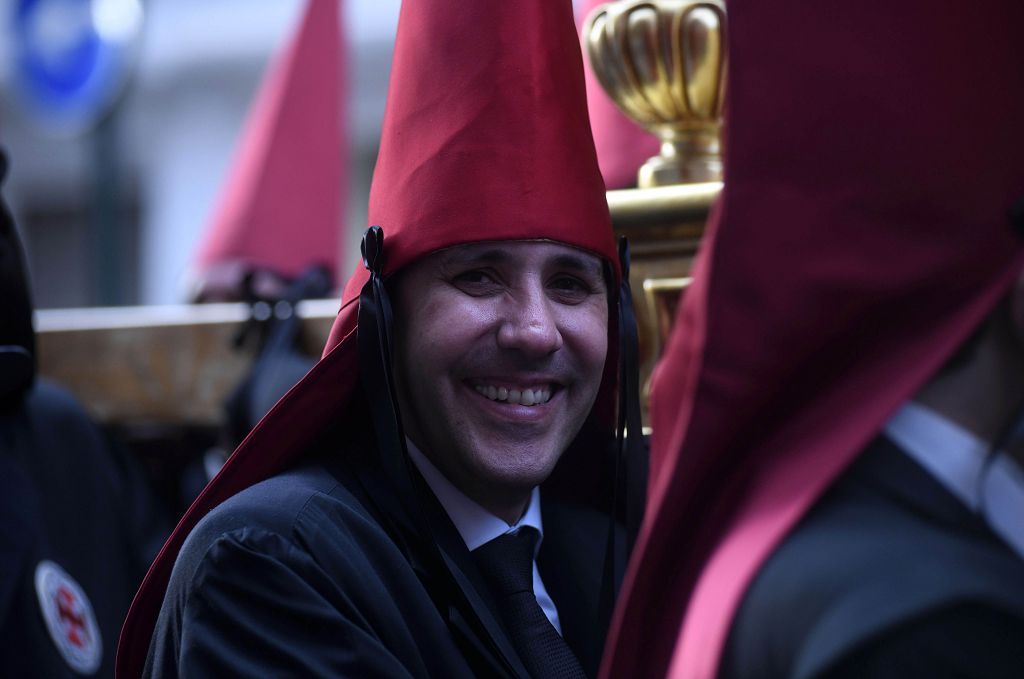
(500, 357)
(521, 394)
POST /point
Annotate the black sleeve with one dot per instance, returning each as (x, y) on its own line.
(19, 532)
(963, 641)
(264, 608)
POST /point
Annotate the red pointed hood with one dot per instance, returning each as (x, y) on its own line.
(485, 138)
(283, 201)
(486, 135)
(872, 158)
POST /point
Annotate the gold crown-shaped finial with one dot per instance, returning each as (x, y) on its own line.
(663, 62)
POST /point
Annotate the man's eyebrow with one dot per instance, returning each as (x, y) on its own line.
(583, 264)
(474, 256)
(580, 263)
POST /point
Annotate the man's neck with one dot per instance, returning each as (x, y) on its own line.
(510, 513)
(507, 506)
(985, 394)
(476, 524)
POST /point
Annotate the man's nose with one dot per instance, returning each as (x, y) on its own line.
(530, 324)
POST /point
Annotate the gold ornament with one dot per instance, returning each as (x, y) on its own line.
(663, 62)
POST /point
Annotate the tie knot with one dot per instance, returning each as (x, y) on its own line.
(506, 562)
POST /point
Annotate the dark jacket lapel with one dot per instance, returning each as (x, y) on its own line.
(467, 577)
(884, 466)
(570, 561)
(468, 610)
(571, 564)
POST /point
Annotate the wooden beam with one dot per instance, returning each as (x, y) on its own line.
(162, 364)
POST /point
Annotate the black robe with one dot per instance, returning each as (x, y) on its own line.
(68, 499)
(304, 575)
(889, 575)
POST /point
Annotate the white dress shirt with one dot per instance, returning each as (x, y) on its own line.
(959, 461)
(477, 526)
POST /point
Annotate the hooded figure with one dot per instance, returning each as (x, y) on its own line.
(864, 233)
(77, 522)
(280, 209)
(476, 355)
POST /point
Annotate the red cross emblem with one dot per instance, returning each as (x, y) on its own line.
(69, 618)
(70, 611)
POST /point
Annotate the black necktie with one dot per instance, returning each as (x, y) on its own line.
(507, 565)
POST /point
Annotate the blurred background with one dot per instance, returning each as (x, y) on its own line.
(121, 119)
(125, 125)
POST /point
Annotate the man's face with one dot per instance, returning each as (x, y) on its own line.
(500, 348)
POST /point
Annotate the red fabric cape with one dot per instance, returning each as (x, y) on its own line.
(872, 156)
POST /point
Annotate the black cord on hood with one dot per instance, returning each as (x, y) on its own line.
(630, 455)
(374, 337)
(405, 505)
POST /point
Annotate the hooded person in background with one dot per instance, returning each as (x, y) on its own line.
(437, 496)
(832, 495)
(77, 521)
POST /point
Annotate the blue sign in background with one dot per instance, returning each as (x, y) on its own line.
(69, 67)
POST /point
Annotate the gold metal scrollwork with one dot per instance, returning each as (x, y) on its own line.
(661, 298)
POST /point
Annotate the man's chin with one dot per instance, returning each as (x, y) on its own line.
(484, 462)
(517, 471)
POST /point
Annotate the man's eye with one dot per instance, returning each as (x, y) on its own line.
(570, 287)
(476, 282)
(474, 277)
(567, 283)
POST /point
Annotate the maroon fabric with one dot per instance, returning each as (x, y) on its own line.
(485, 138)
(622, 145)
(871, 160)
(282, 204)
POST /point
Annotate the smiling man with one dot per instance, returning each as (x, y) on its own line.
(500, 355)
(440, 496)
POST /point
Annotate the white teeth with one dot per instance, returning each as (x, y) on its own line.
(526, 397)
